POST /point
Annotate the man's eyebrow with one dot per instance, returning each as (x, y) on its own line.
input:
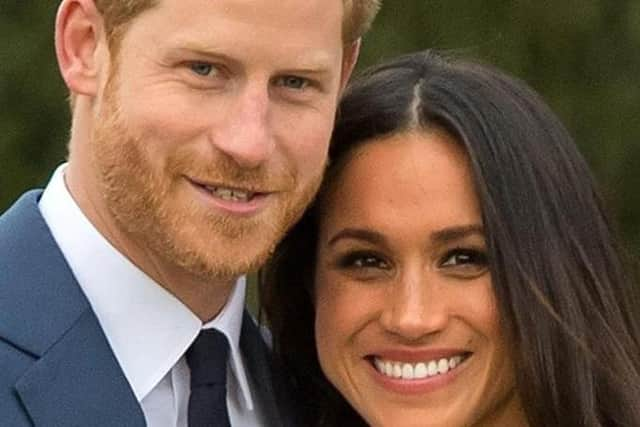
(358, 234)
(456, 233)
(312, 64)
(201, 50)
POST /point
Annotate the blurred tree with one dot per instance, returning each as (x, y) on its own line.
(33, 111)
(580, 54)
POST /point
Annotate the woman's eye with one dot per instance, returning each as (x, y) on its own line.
(369, 262)
(363, 261)
(201, 68)
(293, 82)
(467, 259)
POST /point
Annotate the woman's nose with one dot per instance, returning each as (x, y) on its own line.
(415, 307)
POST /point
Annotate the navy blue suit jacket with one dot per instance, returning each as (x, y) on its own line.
(56, 366)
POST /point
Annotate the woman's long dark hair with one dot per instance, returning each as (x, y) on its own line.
(566, 303)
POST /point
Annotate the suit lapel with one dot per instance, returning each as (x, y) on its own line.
(78, 382)
(75, 379)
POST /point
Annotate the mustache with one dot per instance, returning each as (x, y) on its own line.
(224, 172)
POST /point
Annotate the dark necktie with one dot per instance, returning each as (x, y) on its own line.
(207, 359)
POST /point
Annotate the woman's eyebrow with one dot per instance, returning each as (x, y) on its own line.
(456, 233)
(441, 236)
(370, 236)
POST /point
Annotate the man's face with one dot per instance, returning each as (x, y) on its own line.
(212, 130)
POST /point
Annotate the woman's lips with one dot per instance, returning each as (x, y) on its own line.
(417, 372)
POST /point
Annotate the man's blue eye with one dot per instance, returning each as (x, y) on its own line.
(201, 68)
(294, 82)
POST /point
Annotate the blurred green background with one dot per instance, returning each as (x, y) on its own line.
(582, 55)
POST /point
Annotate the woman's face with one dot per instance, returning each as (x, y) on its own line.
(406, 322)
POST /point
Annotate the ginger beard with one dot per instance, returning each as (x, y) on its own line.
(156, 208)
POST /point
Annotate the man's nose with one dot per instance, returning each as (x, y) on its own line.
(246, 137)
(416, 307)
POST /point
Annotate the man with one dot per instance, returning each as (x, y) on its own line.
(199, 134)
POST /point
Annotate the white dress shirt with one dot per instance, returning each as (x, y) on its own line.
(149, 329)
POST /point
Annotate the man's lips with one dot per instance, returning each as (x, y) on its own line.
(232, 199)
(231, 192)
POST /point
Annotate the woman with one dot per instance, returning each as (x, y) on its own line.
(458, 268)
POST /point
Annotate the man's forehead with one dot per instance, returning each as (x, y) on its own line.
(233, 29)
(302, 18)
(274, 11)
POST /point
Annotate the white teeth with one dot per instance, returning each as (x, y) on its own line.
(453, 362)
(407, 372)
(230, 194)
(397, 370)
(432, 368)
(421, 370)
(388, 369)
(379, 365)
(443, 366)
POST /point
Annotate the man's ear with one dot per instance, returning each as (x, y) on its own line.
(77, 38)
(349, 60)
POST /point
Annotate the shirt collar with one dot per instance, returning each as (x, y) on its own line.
(149, 329)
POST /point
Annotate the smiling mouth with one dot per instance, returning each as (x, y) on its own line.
(418, 371)
(231, 194)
